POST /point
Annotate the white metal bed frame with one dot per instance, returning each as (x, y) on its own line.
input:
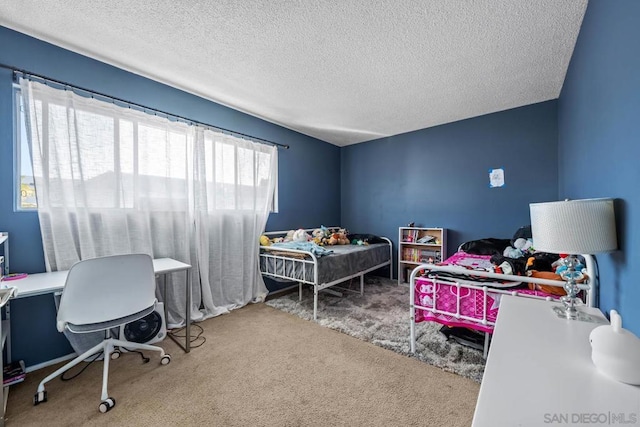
(590, 288)
(281, 262)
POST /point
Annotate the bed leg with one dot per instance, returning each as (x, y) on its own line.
(485, 353)
(299, 291)
(362, 285)
(315, 303)
(412, 327)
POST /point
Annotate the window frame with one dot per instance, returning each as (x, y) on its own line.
(18, 120)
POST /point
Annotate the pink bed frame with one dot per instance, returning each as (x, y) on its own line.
(465, 301)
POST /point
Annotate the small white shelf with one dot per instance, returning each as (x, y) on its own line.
(412, 253)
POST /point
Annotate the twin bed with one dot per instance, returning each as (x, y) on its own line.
(463, 291)
(323, 271)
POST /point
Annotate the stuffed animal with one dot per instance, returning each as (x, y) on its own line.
(343, 239)
(616, 351)
(300, 236)
(338, 238)
(320, 236)
(264, 241)
(547, 275)
(561, 267)
(289, 236)
(540, 265)
(524, 245)
(508, 265)
(511, 252)
(521, 247)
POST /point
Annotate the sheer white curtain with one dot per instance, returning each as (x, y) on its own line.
(113, 180)
(235, 182)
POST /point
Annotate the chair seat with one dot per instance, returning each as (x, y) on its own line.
(101, 326)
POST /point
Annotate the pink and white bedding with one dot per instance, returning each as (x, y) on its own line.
(462, 301)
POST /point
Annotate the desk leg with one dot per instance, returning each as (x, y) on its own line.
(187, 339)
(188, 313)
(164, 297)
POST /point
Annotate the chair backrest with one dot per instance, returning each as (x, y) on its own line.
(108, 288)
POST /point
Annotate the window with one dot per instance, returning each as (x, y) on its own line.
(25, 191)
(164, 163)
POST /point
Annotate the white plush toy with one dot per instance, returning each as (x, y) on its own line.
(616, 351)
(300, 236)
(520, 248)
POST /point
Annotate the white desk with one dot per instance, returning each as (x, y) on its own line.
(44, 283)
(539, 372)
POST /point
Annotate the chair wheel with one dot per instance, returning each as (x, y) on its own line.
(107, 404)
(166, 359)
(115, 354)
(40, 397)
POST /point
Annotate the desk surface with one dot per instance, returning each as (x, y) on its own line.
(43, 283)
(539, 371)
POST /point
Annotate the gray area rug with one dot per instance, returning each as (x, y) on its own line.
(381, 316)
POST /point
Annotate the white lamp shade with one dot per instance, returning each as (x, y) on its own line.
(574, 226)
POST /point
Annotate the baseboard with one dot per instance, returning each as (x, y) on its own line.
(49, 362)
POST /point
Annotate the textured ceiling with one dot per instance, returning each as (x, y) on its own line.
(343, 71)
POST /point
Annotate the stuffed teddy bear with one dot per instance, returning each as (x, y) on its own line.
(343, 239)
(338, 238)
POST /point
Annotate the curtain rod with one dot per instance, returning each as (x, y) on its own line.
(144, 108)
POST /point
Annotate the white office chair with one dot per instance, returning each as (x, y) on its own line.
(100, 294)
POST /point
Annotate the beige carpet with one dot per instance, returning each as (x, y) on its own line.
(258, 367)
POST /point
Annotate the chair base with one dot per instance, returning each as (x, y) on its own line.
(107, 346)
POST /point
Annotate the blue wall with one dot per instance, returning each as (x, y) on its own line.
(599, 147)
(34, 328)
(439, 177)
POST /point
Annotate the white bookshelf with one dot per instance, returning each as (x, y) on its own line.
(418, 245)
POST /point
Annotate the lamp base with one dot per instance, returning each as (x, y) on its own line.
(577, 315)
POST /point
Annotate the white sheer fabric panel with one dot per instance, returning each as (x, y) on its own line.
(234, 185)
(112, 180)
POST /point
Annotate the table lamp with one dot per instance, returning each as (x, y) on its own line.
(572, 227)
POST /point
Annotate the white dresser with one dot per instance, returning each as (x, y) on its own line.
(539, 372)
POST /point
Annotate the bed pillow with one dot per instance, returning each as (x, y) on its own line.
(488, 246)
